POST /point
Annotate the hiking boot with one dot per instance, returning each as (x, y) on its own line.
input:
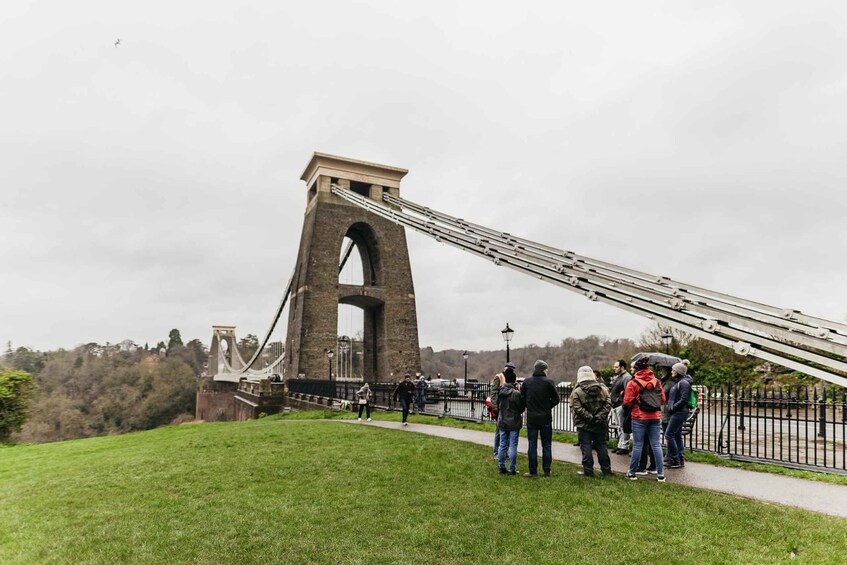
(631, 477)
(529, 475)
(660, 478)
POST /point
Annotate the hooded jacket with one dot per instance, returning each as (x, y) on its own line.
(405, 391)
(630, 397)
(364, 393)
(679, 395)
(618, 388)
(539, 396)
(591, 404)
(509, 408)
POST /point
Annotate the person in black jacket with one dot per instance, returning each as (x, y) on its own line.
(509, 421)
(405, 391)
(678, 413)
(539, 396)
(622, 378)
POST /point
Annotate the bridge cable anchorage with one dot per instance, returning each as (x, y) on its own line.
(712, 316)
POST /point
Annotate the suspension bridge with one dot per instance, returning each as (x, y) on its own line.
(354, 209)
(358, 203)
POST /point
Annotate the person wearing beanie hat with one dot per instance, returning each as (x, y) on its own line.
(405, 391)
(644, 396)
(678, 410)
(591, 404)
(539, 396)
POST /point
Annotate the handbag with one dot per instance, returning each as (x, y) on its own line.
(363, 401)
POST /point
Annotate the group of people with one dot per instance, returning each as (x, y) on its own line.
(645, 406)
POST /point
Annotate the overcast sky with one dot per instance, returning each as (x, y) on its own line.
(155, 185)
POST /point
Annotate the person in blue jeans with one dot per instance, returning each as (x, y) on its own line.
(509, 421)
(538, 397)
(644, 396)
(678, 411)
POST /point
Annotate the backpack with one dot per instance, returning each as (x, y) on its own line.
(692, 399)
(649, 399)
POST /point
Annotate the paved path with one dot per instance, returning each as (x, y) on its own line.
(778, 489)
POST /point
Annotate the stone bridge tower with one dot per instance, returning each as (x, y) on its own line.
(387, 296)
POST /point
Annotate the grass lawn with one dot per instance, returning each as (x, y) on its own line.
(699, 457)
(294, 491)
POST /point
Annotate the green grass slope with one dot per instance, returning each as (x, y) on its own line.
(289, 491)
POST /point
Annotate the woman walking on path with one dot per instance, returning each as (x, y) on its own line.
(364, 399)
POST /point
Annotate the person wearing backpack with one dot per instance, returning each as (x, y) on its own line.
(644, 396)
(678, 406)
(509, 421)
(591, 404)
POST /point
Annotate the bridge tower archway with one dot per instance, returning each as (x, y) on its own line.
(386, 295)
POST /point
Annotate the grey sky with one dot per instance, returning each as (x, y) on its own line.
(156, 184)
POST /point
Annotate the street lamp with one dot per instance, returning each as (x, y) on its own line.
(329, 354)
(667, 338)
(465, 357)
(507, 337)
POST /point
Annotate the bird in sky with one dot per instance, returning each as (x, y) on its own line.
(117, 42)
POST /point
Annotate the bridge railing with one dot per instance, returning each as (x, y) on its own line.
(794, 426)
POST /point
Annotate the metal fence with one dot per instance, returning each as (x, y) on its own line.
(798, 426)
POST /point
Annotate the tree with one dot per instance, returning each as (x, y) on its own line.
(174, 339)
(247, 346)
(15, 390)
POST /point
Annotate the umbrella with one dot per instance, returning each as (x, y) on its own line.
(659, 359)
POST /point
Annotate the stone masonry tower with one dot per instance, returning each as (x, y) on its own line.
(387, 296)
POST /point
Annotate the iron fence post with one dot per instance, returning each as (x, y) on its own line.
(740, 401)
(822, 416)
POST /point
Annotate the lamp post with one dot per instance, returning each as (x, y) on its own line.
(329, 355)
(507, 337)
(343, 347)
(465, 357)
(667, 338)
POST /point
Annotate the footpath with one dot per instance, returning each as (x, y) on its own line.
(820, 497)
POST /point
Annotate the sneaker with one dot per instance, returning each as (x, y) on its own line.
(369, 419)
(502, 470)
(673, 465)
(513, 472)
(623, 452)
(631, 477)
(641, 472)
(360, 419)
(660, 478)
(405, 423)
(529, 475)
(651, 471)
(547, 474)
(584, 474)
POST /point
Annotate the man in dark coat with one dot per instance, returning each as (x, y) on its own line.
(591, 404)
(622, 378)
(405, 391)
(539, 396)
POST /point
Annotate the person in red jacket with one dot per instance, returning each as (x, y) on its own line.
(644, 396)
